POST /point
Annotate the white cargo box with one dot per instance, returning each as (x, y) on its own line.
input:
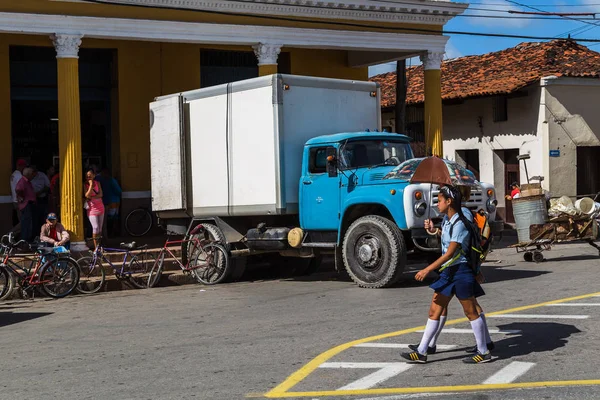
(236, 149)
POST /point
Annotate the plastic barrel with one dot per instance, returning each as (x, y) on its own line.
(529, 211)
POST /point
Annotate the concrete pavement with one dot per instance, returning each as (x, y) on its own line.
(231, 341)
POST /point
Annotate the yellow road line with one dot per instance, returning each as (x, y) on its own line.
(281, 390)
(438, 389)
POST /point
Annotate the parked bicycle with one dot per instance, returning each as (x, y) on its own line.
(139, 222)
(135, 267)
(50, 269)
(208, 261)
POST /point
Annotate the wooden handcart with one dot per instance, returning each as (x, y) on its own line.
(558, 230)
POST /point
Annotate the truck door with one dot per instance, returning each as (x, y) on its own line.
(320, 200)
(167, 154)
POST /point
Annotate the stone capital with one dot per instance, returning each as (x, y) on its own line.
(66, 46)
(267, 53)
(432, 60)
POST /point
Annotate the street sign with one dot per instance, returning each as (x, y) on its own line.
(554, 153)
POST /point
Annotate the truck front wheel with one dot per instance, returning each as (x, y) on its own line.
(374, 252)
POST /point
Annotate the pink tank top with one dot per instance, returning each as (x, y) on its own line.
(95, 205)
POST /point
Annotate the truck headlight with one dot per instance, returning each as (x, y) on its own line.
(491, 205)
(420, 208)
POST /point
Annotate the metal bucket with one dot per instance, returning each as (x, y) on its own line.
(529, 211)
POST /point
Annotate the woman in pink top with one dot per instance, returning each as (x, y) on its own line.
(95, 208)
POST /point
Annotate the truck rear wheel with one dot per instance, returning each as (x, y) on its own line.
(374, 252)
(237, 265)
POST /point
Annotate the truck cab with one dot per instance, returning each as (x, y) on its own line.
(355, 191)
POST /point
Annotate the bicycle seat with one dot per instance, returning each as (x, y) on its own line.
(128, 246)
(43, 250)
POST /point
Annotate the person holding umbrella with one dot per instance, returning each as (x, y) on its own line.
(456, 279)
(465, 192)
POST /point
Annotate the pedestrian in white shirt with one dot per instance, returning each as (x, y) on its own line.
(14, 179)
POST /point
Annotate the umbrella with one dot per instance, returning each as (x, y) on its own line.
(442, 172)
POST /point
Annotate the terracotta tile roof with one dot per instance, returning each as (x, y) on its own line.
(500, 72)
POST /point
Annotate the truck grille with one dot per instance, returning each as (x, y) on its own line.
(474, 203)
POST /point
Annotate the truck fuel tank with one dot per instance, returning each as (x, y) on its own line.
(263, 238)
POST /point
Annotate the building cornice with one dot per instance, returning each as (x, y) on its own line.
(413, 12)
(222, 34)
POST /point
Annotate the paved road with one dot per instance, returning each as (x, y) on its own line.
(231, 341)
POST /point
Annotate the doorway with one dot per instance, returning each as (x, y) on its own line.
(588, 171)
(470, 160)
(506, 171)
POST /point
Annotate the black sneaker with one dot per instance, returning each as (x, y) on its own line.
(415, 347)
(414, 357)
(478, 358)
(473, 349)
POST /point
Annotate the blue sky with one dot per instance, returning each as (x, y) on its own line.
(461, 45)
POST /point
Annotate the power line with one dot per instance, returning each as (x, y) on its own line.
(336, 23)
(539, 5)
(594, 25)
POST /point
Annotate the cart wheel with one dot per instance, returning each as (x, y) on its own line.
(538, 257)
(528, 256)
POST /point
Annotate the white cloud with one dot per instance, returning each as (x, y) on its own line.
(382, 68)
(452, 51)
(515, 21)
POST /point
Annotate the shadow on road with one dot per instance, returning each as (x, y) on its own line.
(327, 273)
(500, 274)
(10, 318)
(581, 257)
(535, 337)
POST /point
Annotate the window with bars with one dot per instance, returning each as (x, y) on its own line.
(221, 66)
(500, 109)
(224, 66)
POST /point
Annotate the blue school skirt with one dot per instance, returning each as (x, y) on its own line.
(458, 280)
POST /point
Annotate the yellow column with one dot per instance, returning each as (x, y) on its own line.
(267, 58)
(433, 103)
(69, 136)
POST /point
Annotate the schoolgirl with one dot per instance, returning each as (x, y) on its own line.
(456, 279)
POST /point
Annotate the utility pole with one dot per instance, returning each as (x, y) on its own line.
(400, 96)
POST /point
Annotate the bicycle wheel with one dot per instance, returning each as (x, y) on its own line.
(211, 265)
(157, 269)
(60, 277)
(138, 270)
(7, 283)
(91, 275)
(138, 222)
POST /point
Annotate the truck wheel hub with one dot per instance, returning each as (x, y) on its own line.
(368, 251)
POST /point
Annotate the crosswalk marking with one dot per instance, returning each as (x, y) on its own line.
(509, 373)
(539, 316)
(492, 330)
(402, 346)
(386, 370)
(573, 305)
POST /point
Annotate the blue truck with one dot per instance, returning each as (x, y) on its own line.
(284, 168)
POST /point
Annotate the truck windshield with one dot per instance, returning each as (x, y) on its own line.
(367, 153)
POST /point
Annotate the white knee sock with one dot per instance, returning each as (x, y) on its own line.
(430, 330)
(488, 339)
(479, 330)
(437, 333)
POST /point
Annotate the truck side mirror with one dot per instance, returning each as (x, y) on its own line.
(331, 162)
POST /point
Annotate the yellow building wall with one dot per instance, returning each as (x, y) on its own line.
(325, 64)
(146, 70)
